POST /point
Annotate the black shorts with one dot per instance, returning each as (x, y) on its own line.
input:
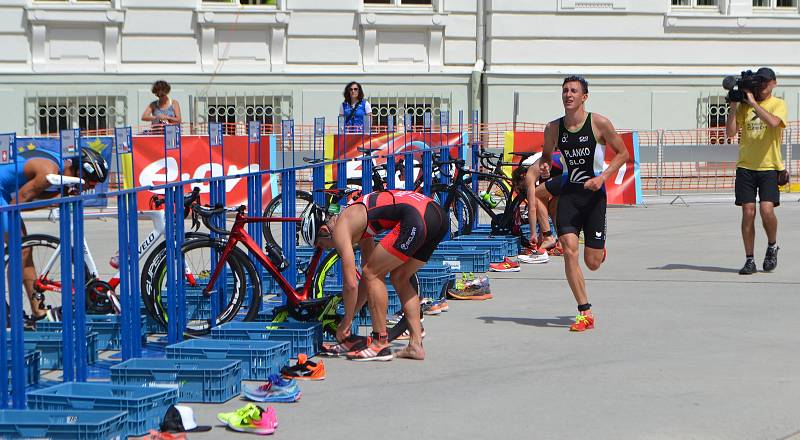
(583, 211)
(417, 237)
(749, 182)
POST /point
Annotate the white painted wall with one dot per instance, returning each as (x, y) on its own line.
(647, 63)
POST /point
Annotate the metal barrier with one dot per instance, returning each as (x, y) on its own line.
(674, 162)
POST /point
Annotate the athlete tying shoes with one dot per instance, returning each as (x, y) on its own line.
(417, 224)
(525, 179)
(582, 138)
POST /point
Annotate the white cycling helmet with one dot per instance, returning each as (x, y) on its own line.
(312, 222)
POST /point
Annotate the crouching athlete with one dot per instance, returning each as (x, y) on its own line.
(416, 225)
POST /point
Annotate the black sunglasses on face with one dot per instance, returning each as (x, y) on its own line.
(354, 89)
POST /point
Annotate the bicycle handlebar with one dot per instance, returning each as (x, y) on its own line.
(207, 212)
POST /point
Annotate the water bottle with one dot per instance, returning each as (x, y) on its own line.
(487, 197)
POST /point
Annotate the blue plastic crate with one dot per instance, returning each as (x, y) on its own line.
(33, 361)
(49, 344)
(61, 425)
(199, 380)
(462, 260)
(107, 328)
(259, 359)
(498, 249)
(508, 243)
(304, 337)
(431, 284)
(145, 406)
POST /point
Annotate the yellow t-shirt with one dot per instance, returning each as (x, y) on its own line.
(760, 145)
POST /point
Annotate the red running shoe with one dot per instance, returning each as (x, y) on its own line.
(582, 323)
(507, 265)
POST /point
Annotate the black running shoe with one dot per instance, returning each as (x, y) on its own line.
(771, 260)
(749, 268)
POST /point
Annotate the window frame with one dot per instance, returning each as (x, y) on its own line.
(694, 6)
(206, 4)
(773, 7)
(434, 4)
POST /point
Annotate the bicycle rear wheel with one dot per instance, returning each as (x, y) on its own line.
(273, 231)
(46, 256)
(199, 265)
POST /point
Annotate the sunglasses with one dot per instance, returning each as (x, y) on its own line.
(354, 89)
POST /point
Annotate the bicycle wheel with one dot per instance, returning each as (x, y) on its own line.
(273, 230)
(326, 285)
(461, 214)
(146, 290)
(199, 266)
(46, 255)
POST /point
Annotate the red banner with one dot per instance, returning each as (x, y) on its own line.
(623, 189)
(192, 158)
(346, 147)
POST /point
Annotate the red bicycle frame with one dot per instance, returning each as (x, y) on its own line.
(239, 234)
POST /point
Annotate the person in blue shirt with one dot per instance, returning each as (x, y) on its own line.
(26, 181)
(354, 108)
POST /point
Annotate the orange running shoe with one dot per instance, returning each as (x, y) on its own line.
(377, 350)
(582, 323)
(304, 369)
(556, 251)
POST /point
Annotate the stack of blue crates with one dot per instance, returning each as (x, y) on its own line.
(49, 344)
(107, 328)
(61, 425)
(259, 359)
(303, 337)
(145, 406)
(198, 380)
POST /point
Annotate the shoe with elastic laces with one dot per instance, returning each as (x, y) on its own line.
(582, 323)
(749, 268)
(276, 389)
(443, 306)
(377, 350)
(540, 257)
(471, 293)
(771, 259)
(351, 343)
(265, 424)
(507, 265)
(249, 411)
(304, 369)
(431, 308)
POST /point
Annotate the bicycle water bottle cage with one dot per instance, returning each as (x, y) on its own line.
(275, 255)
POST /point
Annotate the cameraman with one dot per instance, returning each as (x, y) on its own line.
(761, 118)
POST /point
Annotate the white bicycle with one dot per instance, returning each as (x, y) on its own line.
(45, 253)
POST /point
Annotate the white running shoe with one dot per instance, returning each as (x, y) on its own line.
(534, 258)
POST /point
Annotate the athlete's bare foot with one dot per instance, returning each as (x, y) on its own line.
(548, 242)
(411, 352)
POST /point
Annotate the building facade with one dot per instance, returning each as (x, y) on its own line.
(650, 64)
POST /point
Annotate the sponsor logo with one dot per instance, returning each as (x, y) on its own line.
(583, 139)
(411, 236)
(598, 234)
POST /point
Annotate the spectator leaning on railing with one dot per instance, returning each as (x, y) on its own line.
(354, 108)
(164, 110)
(761, 120)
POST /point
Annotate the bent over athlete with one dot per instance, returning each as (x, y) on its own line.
(416, 225)
(581, 137)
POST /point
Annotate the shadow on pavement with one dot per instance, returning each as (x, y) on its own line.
(558, 321)
(692, 267)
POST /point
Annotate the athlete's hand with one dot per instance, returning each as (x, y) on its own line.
(343, 330)
(544, 169)
(595, 183)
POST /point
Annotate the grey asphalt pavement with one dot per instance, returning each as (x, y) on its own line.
(684, 348)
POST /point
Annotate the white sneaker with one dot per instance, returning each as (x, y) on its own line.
(534, 258)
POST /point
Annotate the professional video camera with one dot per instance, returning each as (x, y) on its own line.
(738, 85)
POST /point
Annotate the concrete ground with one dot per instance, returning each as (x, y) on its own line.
(685, 348)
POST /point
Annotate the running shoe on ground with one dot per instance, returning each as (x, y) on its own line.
(430, 308)
(406, 335)
(507, 265)
(351, 343)
(443, 306)
(749, 268)
(304, 369)
(540, 257)
(276, 389)
(582, 323)
(771, 259)
(265, 424)
(471, 293)
(249, 411)
(378, 350)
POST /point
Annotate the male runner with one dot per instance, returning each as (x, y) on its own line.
(582, 138)
(417, 224)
